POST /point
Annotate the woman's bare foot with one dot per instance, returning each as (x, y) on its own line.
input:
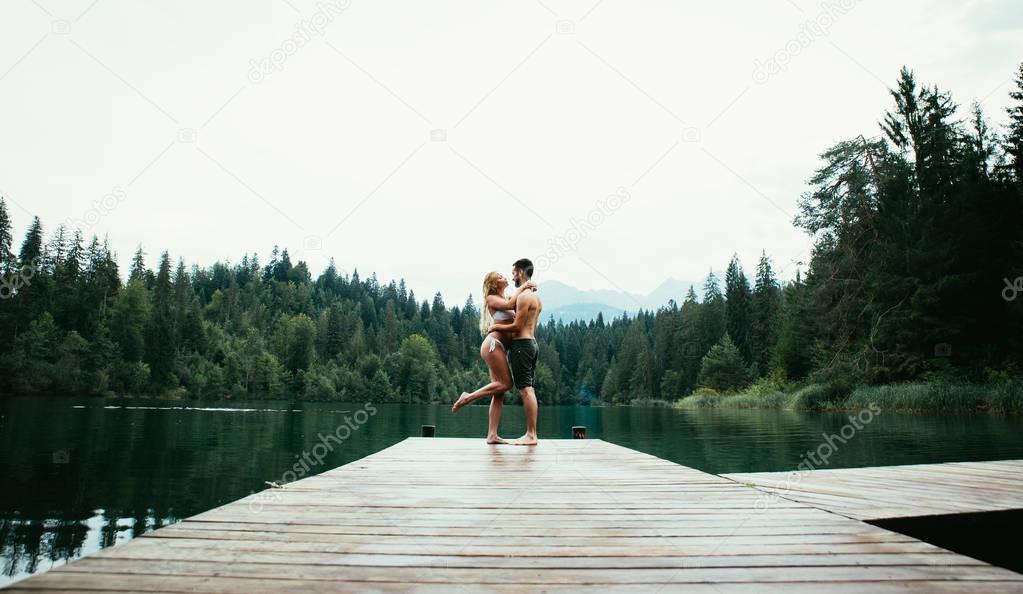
(526, 439)
(496, 439)
(462, 401)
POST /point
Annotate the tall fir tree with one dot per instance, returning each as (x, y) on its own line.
(6, 255)
(161, 343)
(138, 271)
(32, 246)
(1014, 135)
(766, 298)
(792, 355)
(739, 309)
(712, 314)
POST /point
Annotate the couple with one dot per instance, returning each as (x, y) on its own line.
(508, 324)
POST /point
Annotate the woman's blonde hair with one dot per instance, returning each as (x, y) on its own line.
(489, 288)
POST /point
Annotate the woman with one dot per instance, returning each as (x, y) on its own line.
(495, 308)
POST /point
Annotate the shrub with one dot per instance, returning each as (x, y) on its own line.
(820, 396)
(925, 396)
(1006, 397)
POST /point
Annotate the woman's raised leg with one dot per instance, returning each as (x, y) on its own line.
(500, 377)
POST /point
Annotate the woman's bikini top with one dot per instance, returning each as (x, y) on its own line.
(500, 315)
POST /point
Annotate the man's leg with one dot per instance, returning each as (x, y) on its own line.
(530, 409)
(496, 404)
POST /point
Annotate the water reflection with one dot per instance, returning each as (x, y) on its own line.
(84, 475)
(32, 545)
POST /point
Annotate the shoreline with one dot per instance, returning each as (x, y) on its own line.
(1003, 398)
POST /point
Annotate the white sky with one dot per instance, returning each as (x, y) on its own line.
(656, 97)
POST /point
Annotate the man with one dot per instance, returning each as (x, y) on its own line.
(523, 351)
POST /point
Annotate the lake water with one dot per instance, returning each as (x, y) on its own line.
(80, 475)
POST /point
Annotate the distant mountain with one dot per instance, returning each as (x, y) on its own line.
(584, 312)
(672, 288)
(567, 303)
(556, 294)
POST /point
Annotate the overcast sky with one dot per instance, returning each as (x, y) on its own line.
(438, 140)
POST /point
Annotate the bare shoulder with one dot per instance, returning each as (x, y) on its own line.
(530, 299)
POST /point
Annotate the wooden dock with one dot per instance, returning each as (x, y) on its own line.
(900, 491)
(453, 515)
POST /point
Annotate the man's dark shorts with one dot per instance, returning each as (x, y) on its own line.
(522, 355)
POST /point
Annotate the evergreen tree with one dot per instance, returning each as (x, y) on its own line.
(792, 354)
(723, 368)
(138, 267)
(766, 298)
(129, 321)
(712, 314)
(161, 343)
(32, 246)
(6, 256)
(1014, 136)
(738, 308)
(690, 347)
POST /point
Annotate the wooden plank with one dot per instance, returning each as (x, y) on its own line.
(114, 582)
(596, 574)
(899, 491)
(444, 515)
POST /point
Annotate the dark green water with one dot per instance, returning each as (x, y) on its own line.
(80, 475)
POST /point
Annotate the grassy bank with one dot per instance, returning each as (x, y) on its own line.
(1002, 398)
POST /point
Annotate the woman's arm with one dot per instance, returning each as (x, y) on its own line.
(499, 302)
(511, 327)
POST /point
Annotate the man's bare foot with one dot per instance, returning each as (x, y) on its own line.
(462, 401)
(496, 439)
(526, 439)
